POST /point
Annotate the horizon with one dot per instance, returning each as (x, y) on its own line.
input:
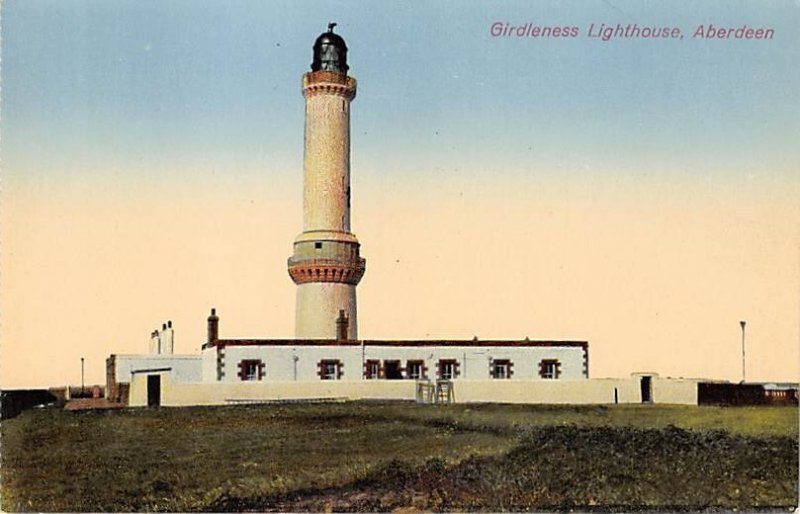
(640, 195)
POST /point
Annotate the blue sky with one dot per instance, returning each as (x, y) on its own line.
(164, 85)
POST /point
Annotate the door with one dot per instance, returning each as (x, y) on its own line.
(153, 390)
(647, 390)
(391, 370)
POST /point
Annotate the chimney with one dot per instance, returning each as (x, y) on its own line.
(155, 343)
(168, 346)
(213, 327)
(341, 326)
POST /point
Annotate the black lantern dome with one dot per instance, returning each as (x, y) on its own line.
(330, 52)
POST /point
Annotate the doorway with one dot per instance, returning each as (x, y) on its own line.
(647, 389)
(391, 370)
(153, 390)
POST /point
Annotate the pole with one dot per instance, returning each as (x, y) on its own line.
(81, 375)
(743, 323)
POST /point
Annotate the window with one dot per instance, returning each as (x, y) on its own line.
(448, 369)
(330, 369)
(251, 369)
(415, 370)
(372, 369)
(318, 245)
(549, 368)
(501, 368)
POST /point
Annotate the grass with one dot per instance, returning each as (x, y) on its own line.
(382, 456)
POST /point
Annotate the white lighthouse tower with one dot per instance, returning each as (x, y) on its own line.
(326, 265)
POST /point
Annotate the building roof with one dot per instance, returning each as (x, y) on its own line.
(396, 343)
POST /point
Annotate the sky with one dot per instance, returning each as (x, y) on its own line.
(640, 194)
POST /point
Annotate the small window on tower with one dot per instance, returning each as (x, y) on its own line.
(318, 245)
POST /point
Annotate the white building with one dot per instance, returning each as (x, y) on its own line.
(290, 360)
(120, 369)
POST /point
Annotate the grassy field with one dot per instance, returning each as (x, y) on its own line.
(385, 456)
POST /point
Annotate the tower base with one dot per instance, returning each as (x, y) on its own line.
(318, 309)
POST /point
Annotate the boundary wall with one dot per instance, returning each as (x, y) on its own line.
(575, 392)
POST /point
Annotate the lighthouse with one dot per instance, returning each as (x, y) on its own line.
(326, 264)
(326, 267)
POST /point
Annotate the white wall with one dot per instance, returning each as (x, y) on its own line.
(176, 394)
(675, 390)
(183, 368)
(473, 361)
(576, 392)
(208, 356)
